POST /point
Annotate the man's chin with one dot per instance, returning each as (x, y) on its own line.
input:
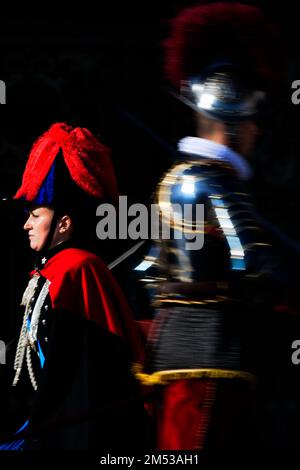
(34, 247)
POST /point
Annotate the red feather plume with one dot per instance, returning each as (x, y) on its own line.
(207, 33)
(86, 158)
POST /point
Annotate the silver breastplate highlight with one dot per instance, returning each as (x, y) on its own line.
(203, 294)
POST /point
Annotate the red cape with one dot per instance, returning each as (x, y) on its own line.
(82, 284)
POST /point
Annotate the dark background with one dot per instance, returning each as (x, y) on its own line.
(100, 66)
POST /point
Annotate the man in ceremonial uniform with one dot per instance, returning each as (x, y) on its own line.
(71, 386)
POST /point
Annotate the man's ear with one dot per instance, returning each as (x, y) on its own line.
(65, 224)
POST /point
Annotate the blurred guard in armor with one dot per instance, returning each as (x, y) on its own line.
(204, 344)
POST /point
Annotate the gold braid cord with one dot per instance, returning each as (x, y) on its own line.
(163, 377)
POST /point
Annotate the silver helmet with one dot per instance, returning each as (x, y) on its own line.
(223, 94)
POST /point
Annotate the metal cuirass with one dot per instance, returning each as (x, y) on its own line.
(207, 300)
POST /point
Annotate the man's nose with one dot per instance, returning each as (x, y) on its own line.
(27, 224)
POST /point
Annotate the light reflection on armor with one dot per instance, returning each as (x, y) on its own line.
(233, 240)
(202, 319)
(222, 94)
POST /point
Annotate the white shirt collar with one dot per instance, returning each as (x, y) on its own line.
(208, 149)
